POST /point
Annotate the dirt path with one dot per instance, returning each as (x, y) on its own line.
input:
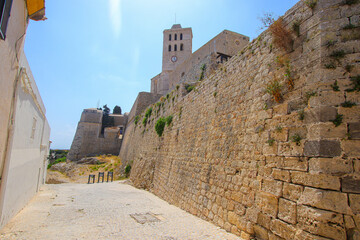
(105, 211)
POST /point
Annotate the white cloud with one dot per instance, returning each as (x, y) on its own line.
(115, 16)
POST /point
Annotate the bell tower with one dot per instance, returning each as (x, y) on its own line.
(177, 46)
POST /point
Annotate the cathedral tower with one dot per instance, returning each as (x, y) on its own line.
(177, 47)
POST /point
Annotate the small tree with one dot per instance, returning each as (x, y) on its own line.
(117, 110)
(107, 121)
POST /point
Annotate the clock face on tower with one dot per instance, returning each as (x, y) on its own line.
(173, 58)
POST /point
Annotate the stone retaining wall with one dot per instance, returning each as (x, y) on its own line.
(255, 167)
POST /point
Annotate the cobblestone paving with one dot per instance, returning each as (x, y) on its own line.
(102, 211)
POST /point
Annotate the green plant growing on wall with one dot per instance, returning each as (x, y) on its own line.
(296, 27)
(59, 160)
(311, 4)
(288, 76)
(159, 126)
(335, 86)
(215, 93)
(308, 95)
(348, 68)
(330, 65)
(301, 114)
(202, 74)
(271, 142)
(127, 170)
(274, 89)
(338, 120)
(356, 84)
(350, 2)
(177, 87)
(189, 87)
(338, 54)
(136, 120)
(349, 26)
(348, 104)
(148, 112)
(180, 112)
(296, 138)
(278, 129)
(330, 43)
(168, 120)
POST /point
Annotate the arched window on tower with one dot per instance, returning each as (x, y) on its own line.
(181, 47)
(169, 48)
(175, 37)
(169, 37)
(175, 48)
(180, 36)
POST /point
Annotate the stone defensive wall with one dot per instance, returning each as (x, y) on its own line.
(268, 146)
(88, 140)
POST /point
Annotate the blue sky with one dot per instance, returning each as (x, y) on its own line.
(106, 51)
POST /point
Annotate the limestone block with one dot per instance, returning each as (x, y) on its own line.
(328, 200)
(324, 223)
(294, 163)
(282, 175)
(320, 114)
(350, 114)
(302, 235)
(280, 135)
(350, 184)
(272, 186)
(264, 220)
(290, 149)
(261, 232)
(316, 180)
(282, 229)
(355, 203)
(287, 211)
(244, 235)
(354, 130)
(268, 203)
(292, 191)
(332, 166)
(322, 148)
(351, 147)
(333, 99)
(281, 109)
(326, 130)
(252, 214)
(327, 4)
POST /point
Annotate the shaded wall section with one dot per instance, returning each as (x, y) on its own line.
(256, 167)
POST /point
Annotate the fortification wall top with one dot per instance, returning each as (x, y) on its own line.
(143, 100)
(91, 115)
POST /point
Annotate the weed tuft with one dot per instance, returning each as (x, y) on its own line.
(338, 120)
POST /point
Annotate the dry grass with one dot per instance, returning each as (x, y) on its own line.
(281, 36)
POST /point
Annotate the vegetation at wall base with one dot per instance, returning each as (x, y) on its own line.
(63, 159)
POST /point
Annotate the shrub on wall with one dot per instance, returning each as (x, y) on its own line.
(169, 120)
(159, 126)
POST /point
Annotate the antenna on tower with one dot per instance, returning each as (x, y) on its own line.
(98, 104)
(175, 18)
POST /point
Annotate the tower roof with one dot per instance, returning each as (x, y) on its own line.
(176, 26)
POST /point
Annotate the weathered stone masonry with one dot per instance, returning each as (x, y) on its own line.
(256, 167)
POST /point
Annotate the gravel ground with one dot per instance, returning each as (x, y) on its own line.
(106, 211)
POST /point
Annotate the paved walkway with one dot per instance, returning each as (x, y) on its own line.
(105, 211)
